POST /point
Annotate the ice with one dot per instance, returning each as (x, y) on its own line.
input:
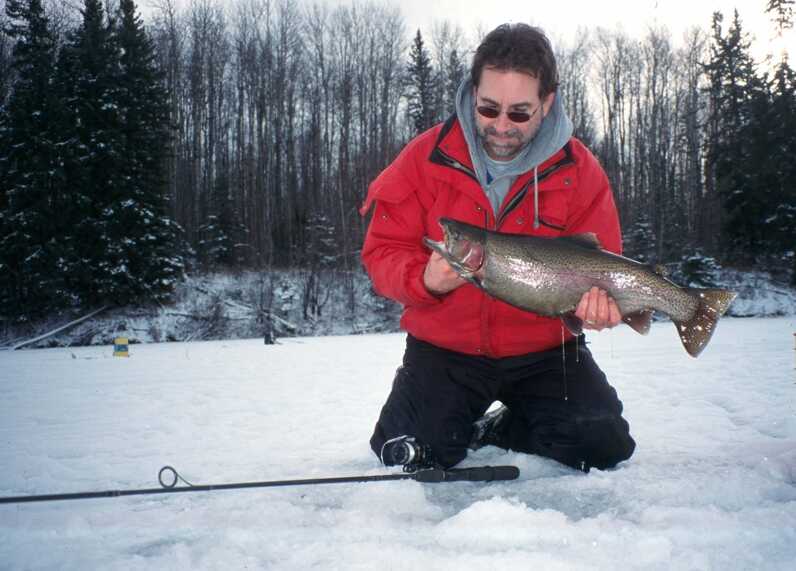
(711, 486)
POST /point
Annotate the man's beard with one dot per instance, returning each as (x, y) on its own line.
(503, 147)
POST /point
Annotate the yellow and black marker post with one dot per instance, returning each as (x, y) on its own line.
(121, 347)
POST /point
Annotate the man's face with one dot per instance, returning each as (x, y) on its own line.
(508, 92)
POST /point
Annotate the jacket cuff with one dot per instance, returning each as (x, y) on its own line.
(417, 294)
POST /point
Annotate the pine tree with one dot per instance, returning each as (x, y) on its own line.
(638, 241)
(222, 236)
(781, 12)
(88, 82)
(736, 94)
(142, 254)
(421, 86)
(32, 196)
(124, 244)
(776, 138)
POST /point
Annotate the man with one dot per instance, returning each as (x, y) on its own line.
(507, 161)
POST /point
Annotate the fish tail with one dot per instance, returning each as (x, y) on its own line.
(695, 333)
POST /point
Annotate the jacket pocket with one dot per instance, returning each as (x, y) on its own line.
(553, 211)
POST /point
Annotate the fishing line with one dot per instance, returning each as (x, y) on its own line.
(564, 362)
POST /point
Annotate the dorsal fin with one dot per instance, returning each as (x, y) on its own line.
(585, 240)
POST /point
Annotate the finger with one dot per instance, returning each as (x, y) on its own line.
(580, 311)
(615, 315)
(591, 308)
(602, 308)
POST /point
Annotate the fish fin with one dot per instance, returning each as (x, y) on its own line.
(640, 321)
(696, 332)
(661, 270)
(573, 323)
(585, 240)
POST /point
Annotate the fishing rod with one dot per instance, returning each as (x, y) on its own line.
(426, 476)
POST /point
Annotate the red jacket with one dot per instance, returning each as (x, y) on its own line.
(432, 178)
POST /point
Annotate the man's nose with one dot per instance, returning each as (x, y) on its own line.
(503, 123)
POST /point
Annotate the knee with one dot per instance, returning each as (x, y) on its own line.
(606, 440)
(447, 443)
(584, 439)
(440, 454)
(449, 452)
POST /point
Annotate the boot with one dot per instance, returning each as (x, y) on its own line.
(491, 429)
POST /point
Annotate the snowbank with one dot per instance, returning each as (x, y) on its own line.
(300, 303)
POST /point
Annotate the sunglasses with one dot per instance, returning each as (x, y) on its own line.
(514, 116)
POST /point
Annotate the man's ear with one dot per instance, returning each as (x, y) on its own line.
(547, 104)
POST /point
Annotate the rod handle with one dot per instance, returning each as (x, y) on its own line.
(478, 474)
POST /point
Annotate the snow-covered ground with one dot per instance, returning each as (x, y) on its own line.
(711, 486)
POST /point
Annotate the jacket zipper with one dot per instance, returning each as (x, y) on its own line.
(440, 157)
(518, 198)
(448, 161)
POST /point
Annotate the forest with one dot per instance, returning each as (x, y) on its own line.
(242, 135)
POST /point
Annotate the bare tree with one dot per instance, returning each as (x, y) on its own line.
(655, 138)
(618, 72)
(573, 69)
(688, 156)
(448, 54)
(6, 46)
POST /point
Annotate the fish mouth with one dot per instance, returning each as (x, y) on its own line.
(468, 255)
(464, 253)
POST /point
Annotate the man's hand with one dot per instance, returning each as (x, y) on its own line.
(597, 310)
(439, 278)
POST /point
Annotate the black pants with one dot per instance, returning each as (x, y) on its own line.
(564, 410)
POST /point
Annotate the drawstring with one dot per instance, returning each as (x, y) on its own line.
(535, 197)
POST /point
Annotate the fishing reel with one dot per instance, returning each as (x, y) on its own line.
(406, 451)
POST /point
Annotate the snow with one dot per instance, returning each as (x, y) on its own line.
(712, 484)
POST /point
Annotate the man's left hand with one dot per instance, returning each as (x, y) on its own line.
(597, 310)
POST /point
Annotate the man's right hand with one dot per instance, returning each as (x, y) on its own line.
(439, 278)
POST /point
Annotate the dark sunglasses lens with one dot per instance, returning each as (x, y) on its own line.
(492, 113)
(488, 112)
(518, 116)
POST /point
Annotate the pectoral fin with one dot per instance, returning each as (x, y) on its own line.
(639, 321)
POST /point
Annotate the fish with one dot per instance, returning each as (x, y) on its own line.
(548, 276)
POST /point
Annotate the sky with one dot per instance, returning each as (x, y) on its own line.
(712, 484)
(561, 20)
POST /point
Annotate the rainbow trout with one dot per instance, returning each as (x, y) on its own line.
(548, 276)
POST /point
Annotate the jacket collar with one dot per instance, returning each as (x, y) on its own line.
(451, 150)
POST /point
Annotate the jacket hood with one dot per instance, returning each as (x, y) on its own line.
(555, 131)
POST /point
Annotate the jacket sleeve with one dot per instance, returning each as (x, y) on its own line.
(594, 209)
(393, 253)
